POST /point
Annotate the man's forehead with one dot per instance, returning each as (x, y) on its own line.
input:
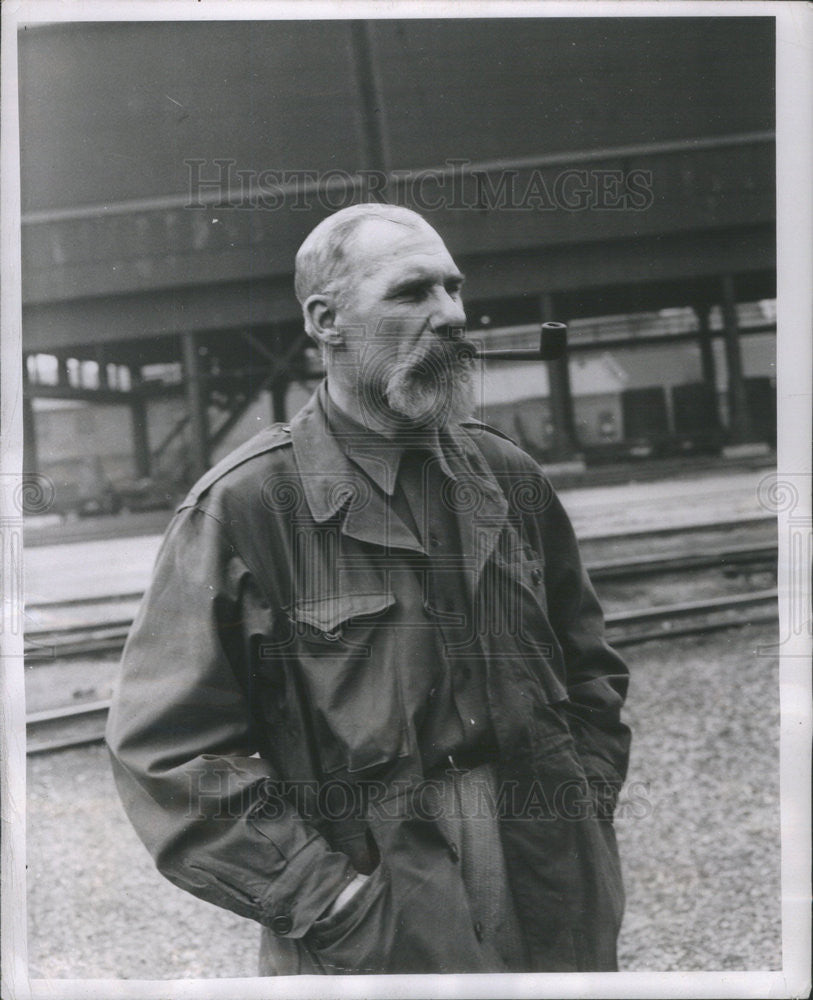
(379, 239)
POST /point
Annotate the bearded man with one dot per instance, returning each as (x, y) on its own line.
(367, 701)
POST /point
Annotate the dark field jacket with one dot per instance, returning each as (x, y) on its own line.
(265, 732)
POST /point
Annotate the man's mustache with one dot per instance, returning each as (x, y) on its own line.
(459, 353)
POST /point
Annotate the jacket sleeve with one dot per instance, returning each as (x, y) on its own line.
(184, 740)
(597, 677)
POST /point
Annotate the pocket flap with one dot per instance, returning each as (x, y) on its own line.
(327, 613)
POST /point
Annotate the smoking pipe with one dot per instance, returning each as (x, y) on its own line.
(552, 345)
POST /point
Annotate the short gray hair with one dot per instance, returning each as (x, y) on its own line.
(323, 261)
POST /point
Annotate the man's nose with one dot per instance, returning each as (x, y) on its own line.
(448, 315)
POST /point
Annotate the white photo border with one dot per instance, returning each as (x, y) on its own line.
(794, 50)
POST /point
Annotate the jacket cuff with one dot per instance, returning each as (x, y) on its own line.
(313, 878)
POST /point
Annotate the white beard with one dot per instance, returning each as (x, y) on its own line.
(432, 391)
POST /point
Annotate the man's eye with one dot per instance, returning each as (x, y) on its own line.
(415, 294)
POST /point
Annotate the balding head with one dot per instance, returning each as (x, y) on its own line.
(381, 295)
(330, 251)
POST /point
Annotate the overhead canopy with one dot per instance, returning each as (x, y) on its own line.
(146, 152)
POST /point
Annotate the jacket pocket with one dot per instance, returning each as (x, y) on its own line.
(326, 618)
(558, 772)
(345, 654)
(331, 930)
(411, 916)
(527, 567)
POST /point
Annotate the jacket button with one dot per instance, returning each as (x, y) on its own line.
(282, 924)
(536, 576)
(478, 930)
(454, 854)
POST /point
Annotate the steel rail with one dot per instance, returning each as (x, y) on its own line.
(77, 640)
(688, 608)
(109, 637)
(678, 530)
(91, 716)
(650, 565)
(78, 602)
(760, 550)
(674, 620)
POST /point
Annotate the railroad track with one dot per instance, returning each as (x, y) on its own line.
(108, 637)
(748, 525)
(669, 621)
(729, 557)
(66, 727)
(77, 640)
(83, 724)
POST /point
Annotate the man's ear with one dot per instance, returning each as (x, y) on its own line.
(320, 319)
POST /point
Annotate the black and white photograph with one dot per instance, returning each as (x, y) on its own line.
(405, 503)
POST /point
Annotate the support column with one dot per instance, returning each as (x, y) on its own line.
(708, 365)
(138, 413)
(30, 458)
(563, 445)
(101, 361)
(279, 391)
(738, 420)
(374, 125)
(196, 404)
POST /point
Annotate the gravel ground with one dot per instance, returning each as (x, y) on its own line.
(698, 828)
(97, 907)
(701, 850)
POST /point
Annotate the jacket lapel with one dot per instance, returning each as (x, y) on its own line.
(482, 507)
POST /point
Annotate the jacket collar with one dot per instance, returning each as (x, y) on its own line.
(379, 456)
(323, 467)
(332, 482)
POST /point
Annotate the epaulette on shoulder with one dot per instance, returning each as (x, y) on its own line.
(266, 440)
(487, 427)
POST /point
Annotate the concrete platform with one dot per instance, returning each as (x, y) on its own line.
(116, 565)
